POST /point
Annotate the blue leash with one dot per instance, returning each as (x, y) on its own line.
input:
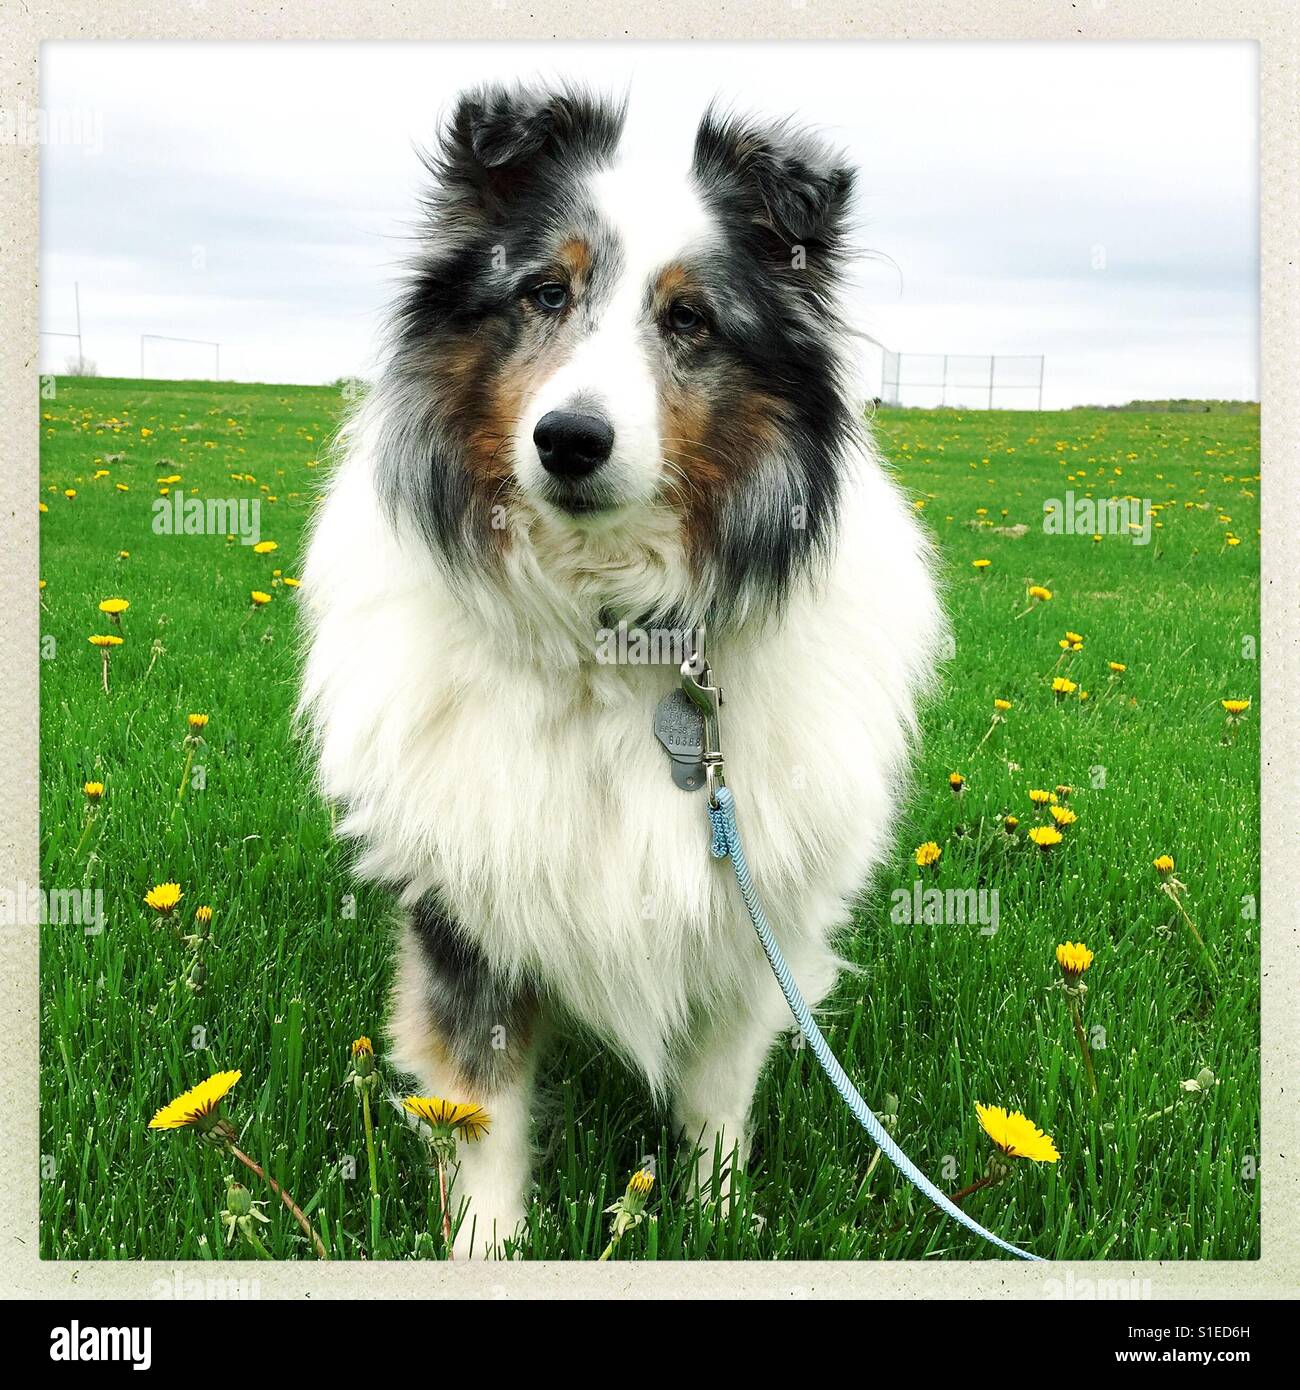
(727, 844)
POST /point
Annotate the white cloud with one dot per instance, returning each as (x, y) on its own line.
(264, 194)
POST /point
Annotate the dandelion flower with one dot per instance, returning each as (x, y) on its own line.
(70, 493)
(927, 854)
(1045, 836)
(1016, 1136)
(291, 583)
(1074, 638)
(163, 897)
(1010, 822)
(1235, 706)
(1037, 591)
(1064, 791)
(1002, 704)
(105, 639)
(1163, 865)
(265, 547)
(1073, 958)
(1062, 815)
(1118, 667)
(981, 564)
(1061, 686)
(471, 1121)
(197, 721)
(641, 1182)
(260, 599)
(957, 782)
(198, 1106)
(1039, 797)
(203, 915)
(114, 606)
(363, 1047)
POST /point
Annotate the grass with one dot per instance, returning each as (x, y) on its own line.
(940, 1016)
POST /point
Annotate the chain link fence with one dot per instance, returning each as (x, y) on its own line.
(962, 381)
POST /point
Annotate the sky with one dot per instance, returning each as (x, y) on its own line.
(1096, 203)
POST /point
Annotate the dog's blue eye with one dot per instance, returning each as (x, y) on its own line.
(683, 319)
(551, 296)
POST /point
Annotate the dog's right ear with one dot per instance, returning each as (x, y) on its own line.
(499, 140)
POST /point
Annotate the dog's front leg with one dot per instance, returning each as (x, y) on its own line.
(717, 1077)
(469, 1036)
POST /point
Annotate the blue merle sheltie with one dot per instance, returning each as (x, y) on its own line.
(617, 393)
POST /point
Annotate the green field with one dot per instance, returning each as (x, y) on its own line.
(940, 1017)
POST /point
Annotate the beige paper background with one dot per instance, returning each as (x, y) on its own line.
(1273, 23)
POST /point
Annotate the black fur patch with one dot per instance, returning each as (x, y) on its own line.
(484, 1023)
(782, 200)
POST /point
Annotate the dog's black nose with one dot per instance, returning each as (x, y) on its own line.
(571, 445)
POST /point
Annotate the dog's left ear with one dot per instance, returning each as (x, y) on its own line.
(781, 179)
(499, 139)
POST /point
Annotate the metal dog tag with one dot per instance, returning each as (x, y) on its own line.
(679, 726)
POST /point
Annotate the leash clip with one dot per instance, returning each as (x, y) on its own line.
(697, 682)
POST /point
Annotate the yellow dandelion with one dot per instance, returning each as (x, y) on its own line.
(1163, 864)
(641, 1182)
(93, 791)
(927, 854)
(1062, 686)
(198, 1106)
(362, 1046)
(197, 721)
(203, 915)
(1073, 958)
(105, 639)
(981, 564)
(1118, 667)
(291, 583)
(956, 781)
(1037, 591)
(123, 554)
(70, 493)
(163, 897)
(42, 506)
(471, 1121)
(260, 599)
(1045, 836)
(1002, 704)
(265, 547)
(1074, 637)
(1010, 822)
(1016, 1136)
(121, 487)
(114, 607)
(1064, 791)
(1062, 815)
(1235, 706)
(1039, 797)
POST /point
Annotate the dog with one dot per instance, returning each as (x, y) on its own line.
(614, 397)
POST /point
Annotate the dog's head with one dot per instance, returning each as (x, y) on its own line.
(589, 343)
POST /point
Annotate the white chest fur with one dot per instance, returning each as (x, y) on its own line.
(526, 787)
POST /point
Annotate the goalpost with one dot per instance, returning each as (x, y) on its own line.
(192, 342)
